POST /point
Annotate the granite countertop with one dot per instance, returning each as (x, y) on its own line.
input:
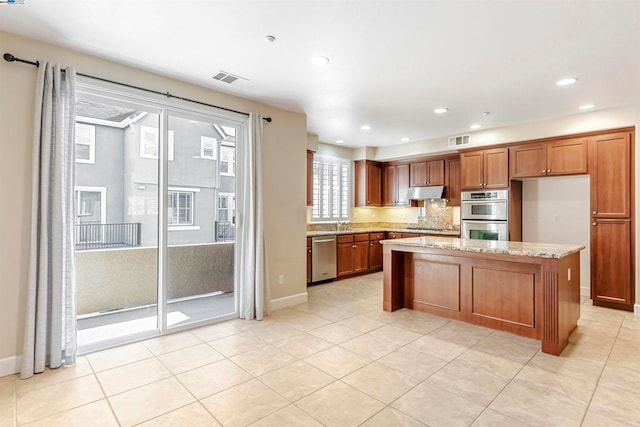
(528, 249)
(454, 233)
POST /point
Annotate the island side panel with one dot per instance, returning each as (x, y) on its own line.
(561, 301)
(393, 278)
(437, 285)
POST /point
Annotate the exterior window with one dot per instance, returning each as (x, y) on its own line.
(331, 186)
(85, 143)
(208, 147)
(227, 161)
(226, 207)
(148, 142)
(180, 208)
(171, 145)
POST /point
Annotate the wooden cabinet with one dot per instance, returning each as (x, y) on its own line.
(611, 263)
(353, 254)
(368, 183)
(309, 178)
(611, 165)
(560, 157)
(394, 235)
(484, 169)
(452, 182)
(375, 251)
(427, 173)
(395, 185)
(308, 259)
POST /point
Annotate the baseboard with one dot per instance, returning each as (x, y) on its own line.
(10, 365)
(289, 301)
(636, 309)
(585, 291)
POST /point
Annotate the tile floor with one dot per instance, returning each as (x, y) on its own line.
(339, 360)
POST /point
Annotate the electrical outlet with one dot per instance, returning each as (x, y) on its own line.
(281, 279)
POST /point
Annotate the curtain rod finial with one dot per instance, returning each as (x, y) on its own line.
(267, 119)
(9, 57)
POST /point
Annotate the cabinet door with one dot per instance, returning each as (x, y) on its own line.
(611, 262)
(390, 186)
(567, 157)
(360, 257)
(375, 255)
(309, 178)
(308, 261)
(402, 174)
(452, 184)
(418, 174)
(345, 259)
(528, 160)
(610, 160)
(435, 172)
(374, 184)
(496, 168)
(472, 170)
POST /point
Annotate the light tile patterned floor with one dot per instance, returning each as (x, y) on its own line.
(339, 360)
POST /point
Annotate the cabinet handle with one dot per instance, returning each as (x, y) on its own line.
(354, 246)
(371, 244)
(544, 171)
(594, 224)
(594, 212)
(548, 170)
(367, 202)
(309, 250)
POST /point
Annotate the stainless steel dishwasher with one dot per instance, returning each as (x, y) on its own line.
(323, 258)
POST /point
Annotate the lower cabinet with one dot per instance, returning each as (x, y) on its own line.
(375, 251)
(353, 254)
(611, 263)
(308, 259)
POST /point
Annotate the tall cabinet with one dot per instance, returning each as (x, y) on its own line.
(611, 158)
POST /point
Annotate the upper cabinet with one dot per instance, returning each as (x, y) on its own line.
(610, 164)
(368, 184)
(427, 173)
(395, 186)
(452, 182)
(560, 157)
(485, 169)
(309, 178)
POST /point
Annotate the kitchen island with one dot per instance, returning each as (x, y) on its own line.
(527, 289)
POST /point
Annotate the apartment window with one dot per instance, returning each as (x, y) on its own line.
(331, 186)
(208, 147)
(180, 208)
(85, 143)
(227, 160)
(148, 142)
(226, 207)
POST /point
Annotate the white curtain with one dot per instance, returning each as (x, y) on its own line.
(250, 255)
(50, 324)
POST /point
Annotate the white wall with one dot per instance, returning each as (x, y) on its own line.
(556, 210)
(284, 174)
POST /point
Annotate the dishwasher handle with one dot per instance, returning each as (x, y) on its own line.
(324, 241)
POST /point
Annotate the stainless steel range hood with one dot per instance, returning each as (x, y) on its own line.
(426, 193)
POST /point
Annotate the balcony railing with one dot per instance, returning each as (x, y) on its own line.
(100, 236)
(225, 231)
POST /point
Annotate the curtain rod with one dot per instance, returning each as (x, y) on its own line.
(11, 58)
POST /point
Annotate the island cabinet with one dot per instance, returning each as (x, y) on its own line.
(353, 254)
(428, 172)
(375, 251)
(452, 182)
(309, 178)
(308, 259)
(484, 169)
(566, 156)
(395, 179)
(611, 168)
(368, 183)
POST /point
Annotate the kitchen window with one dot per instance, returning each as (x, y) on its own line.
(331, 186)
(85, 143)
(180, 208)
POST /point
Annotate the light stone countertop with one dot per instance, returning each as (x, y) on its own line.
(452, 233)
(527, 249)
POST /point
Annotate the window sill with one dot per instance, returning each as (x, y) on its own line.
(183, 227)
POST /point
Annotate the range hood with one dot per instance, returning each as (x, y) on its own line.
(426, 193)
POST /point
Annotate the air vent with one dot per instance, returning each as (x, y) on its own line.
(460, 140)
(223, 76)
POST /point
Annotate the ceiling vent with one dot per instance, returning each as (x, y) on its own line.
(459, 141)
(223, 76)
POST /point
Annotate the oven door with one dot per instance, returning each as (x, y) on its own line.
(485, 230)
(489, 210)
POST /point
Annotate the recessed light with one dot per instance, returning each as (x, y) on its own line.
(320, 61)
(440, 110)
(365, 127)
(339, 141)
(586, 107)
(567, 81)
(405, 139)
(476, 126)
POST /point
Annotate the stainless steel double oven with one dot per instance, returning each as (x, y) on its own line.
(485, 215)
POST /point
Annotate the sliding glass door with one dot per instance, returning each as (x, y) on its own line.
(155, 218)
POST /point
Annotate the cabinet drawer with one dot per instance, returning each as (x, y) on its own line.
(392, 235)
(345, 238)
(376, 236)
(361, 237)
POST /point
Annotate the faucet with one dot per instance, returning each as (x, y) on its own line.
(341, 225)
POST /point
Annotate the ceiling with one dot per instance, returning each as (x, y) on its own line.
(392, 62)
